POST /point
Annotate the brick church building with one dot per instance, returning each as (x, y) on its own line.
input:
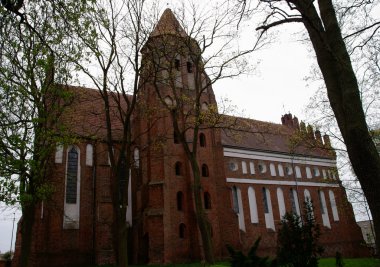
(249, 180)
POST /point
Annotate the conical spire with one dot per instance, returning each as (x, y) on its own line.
(168, 24)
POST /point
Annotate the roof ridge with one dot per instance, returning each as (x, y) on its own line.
(168, 24)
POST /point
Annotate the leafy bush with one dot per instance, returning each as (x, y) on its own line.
(238, 259)
(298, 240)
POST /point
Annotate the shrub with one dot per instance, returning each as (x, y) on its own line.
(238, 259)
(297, 243)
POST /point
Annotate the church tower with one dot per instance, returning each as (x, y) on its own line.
(176, 104)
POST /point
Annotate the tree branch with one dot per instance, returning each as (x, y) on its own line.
(276, 23)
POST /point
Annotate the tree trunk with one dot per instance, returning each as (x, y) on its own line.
(203, 224)
(343, 92)
(26, 234)
(120, 227)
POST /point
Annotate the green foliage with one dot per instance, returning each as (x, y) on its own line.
(238, 259)
(298, 239)
(7, 256)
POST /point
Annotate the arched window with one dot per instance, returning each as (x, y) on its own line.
(179, 200)
(333, 206)
(177, 63)
(289, 170)
(252, 167)
(307, 195)
(72, 189)
(252, 205)
(182, 229)
(72, 176)
(238, 206)
(235, 203)
(280, 170)
(272, 169)
(207, 200)
(308, 173)
(202, 140)
(59, 154)
(324, 174)
(298, 172)
(308, 200)
(316, 171)
(244, 167)
(269, 221)
(189, 66)
(325, 214)
(178, 168)
(294, 201)
(204, 106)
(281, 202)
(205, 172)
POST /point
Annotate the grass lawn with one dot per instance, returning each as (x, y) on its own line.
(326, 262)
(362, 262)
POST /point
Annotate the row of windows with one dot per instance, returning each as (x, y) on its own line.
(206, 200)
(267, 205)
(89, 155)
(178, 168)
(281, 170)
(177, 65)
(202, 139)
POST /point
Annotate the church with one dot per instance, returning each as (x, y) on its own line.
(251, 175)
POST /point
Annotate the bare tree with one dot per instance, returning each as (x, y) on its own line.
(202, 46)
(115, 34)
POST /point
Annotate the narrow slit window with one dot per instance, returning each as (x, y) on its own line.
(205, 172)
(177, 64)
(207, 200)
(178, 168)
(72, 176)
(202, 140)
(189, 67)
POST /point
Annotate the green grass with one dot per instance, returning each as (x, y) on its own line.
(326, 262)
(361, 262)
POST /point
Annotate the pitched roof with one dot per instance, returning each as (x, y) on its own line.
(271, 137)
(85, 116)
(168, 24)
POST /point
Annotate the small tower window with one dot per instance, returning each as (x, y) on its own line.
(177, 64)
(178, 168)
(207, 200)
(202, 140)
(205, 172)
(189, 66)
(182, 229)
(179, 200)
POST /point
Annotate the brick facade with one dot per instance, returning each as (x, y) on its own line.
(163, 228)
